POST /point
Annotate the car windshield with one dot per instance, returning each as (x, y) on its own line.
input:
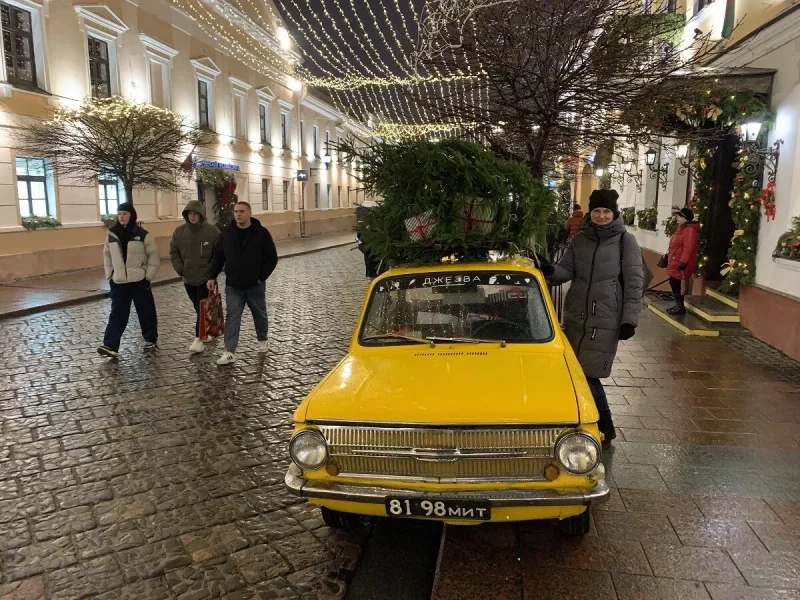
(466, 307)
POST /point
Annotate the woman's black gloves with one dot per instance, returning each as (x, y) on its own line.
(681, 265)
(626, 331)
(545, 266)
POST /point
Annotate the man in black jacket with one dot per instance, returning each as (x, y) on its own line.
(246, 250)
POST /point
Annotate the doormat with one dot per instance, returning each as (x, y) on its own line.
(665, 296)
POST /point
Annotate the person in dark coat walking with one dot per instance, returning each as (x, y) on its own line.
(682, 258)
(190, 252)
(604, 264)
(246, 250)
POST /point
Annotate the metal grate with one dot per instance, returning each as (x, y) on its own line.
(442, 455)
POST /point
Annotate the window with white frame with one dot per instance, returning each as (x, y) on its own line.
(99, 68)
(327, 143)
(339, 196)
(316, 195)
(338, 146)
(302, 138)
(102, 29)
(265, 194)
(35, 187)
(263, 123)
(348, 195)
(204, 104)
(265, 98)
(240, 89)
(23, 62)
(112, 193)
(18, 45)
(316, 141)
(159, 66)
(284, 130)
(330, 196)
(285, 195)
(205, 73)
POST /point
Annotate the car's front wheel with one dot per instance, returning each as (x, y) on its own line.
(577, 525)
(339, 520)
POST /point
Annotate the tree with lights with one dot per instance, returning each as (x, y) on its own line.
(143, 145)
(557, 79)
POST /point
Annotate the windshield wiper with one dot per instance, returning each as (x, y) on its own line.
(399, 336)
(460, 340)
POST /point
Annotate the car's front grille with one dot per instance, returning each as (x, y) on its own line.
(442, 455)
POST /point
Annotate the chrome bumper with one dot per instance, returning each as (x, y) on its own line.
(371, 494)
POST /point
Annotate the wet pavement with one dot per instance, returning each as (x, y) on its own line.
(37, 294)
(161, 475)
(706, 498)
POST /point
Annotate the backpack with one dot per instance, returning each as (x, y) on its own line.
(647, 274)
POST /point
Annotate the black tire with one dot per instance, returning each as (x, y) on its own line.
(576, 526)
(339, 520)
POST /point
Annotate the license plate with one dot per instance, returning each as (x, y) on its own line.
(478, 510)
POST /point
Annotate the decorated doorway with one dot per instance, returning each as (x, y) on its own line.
(218, 195)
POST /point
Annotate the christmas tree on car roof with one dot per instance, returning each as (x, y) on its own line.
(446, 199)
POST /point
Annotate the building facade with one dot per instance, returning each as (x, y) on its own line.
(267, 127)
(762, 54)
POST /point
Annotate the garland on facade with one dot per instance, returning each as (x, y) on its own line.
(788, 246)
(648, 218)
(32, 223)
(224, 184)
(670, 225)
(726, 111)
(628, 215)
(746, 214)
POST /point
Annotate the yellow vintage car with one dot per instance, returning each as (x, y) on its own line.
(459, 400)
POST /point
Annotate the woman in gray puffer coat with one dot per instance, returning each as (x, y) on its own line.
(604, 264)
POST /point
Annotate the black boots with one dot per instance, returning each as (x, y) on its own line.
(679, 308)
(606, 426)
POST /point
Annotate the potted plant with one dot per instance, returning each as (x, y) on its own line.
(32, 223)
(788, 247)
(628, 215)
(648, 217)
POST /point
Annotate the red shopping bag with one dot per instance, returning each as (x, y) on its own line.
(212, 319)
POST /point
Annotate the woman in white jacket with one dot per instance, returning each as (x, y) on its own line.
(131, 261)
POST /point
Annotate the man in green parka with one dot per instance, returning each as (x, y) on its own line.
(190, 252)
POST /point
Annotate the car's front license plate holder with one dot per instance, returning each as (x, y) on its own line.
(473, 510)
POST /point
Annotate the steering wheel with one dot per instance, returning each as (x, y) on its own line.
(485, 324)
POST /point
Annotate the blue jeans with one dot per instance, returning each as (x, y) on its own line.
(256, 300)
(598, 393)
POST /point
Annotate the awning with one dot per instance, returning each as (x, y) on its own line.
(737, 79)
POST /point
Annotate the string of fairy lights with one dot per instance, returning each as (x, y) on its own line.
(363, 58)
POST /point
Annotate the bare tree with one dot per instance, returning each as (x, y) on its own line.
(143, 145)
(560, 77)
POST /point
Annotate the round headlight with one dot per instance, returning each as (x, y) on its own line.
(578, 452)
(308, 449)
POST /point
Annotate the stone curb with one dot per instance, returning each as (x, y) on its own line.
(23, 312)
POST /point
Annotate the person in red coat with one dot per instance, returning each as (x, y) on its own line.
(682, 258)
(574, 223)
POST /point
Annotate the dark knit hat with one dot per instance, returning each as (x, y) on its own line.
(604, 199)
(128, 208)
(686, 213)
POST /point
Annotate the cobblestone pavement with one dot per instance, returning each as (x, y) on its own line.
(706, 498)
(161, 475)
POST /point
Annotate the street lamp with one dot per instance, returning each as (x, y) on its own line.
(657, 172)
(632, 174)
(750, 131)
(682, 154)
(758, 158)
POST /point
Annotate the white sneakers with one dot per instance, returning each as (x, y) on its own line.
(227, 358)
(197, 346)
(263, 347)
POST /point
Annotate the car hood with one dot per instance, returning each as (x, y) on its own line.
(501, 386)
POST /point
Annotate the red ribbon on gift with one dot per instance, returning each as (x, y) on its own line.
(422, 226)
(470, 221)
